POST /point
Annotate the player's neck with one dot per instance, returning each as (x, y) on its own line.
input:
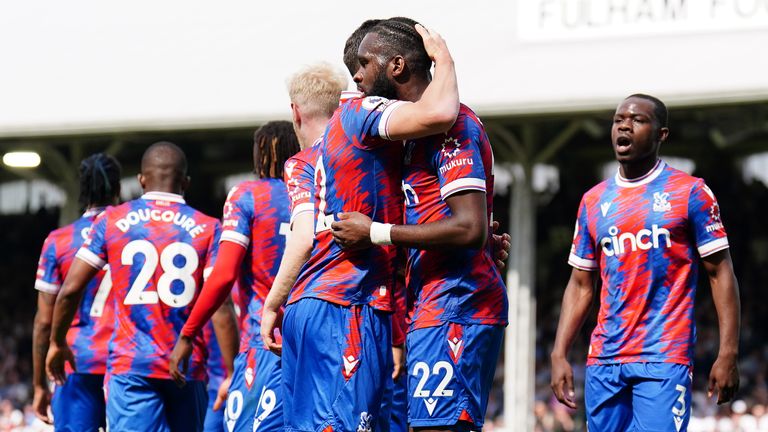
(164, 189)
(412, 91)
(637, 169)
(311, 131)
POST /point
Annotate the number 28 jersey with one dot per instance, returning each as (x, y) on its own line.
(158, 249)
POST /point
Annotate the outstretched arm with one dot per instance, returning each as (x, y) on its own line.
(576, 302)
(724, 377)
(80, 273)
(298, 248)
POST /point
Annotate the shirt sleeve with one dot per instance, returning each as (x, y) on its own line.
(238, 216)
(48, 279)
(366, 119)
(704, 218)
(458, 162)
(299, 180)
(583, 256)
(94, 250)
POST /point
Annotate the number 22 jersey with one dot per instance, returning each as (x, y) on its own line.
(158, 249)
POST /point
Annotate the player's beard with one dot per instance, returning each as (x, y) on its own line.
(382, 86)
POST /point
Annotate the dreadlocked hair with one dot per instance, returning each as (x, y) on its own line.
(99, 180)
(273, 144)
(398, 36)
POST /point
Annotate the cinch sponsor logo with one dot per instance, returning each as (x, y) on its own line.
(645, 239)
(169, 216)
(455, 163)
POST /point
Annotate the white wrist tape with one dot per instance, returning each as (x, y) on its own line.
(380, 233)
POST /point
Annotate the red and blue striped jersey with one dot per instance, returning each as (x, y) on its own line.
(357, 169)
(158, 249)
(299, 176)
(645, 237)
(256, 216)
(458, 285)
(91, 329)
(299, 171)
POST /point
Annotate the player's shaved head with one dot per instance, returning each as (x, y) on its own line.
(353, 43)
(659, 108)
(164, 168)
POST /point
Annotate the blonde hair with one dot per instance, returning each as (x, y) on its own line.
(317, 89)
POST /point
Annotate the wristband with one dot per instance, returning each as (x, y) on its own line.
(380, 233)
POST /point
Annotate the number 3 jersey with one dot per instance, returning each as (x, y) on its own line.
(92, 326)
(459, 285)
(158, 249)
(645, 237)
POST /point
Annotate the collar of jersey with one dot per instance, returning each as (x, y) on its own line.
(349, 94)
(94, 211)
(163, 196)
(643, 179)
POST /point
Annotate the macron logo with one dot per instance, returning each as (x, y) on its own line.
(604, 208)
(349, 365)
(431, 404)
(455, 346)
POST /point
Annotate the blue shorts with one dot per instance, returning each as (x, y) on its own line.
(450, 373)
(638, 397)
(79, 404)
(336, 364)
(214, 420)
(137, 403)
(255, 397)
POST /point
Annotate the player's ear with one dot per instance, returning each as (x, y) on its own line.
(296, 115)
(185, 183)
(663, 134)
(397, 66)
(141, 179)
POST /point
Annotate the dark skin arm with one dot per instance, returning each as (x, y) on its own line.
(501, 246)
(577, 300)
(467, 226)
(724, 376)
(80, 273)
(225, 327)
(217, 287)
(41, 335)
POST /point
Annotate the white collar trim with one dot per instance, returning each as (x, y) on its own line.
(94, 211)
(163, 196)
(642, 180)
